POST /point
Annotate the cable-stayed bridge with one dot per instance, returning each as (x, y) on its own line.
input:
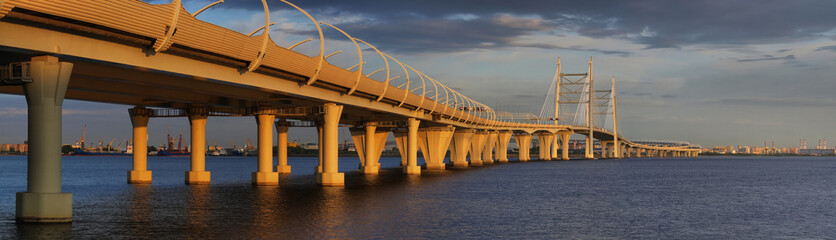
(168, 63)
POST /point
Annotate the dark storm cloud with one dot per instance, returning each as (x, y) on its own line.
(425, 25)
(768, 58)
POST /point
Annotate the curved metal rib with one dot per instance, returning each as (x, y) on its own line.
(386, 62)
(318, 69)
(359, 56)
(163, 44)
(255, 63)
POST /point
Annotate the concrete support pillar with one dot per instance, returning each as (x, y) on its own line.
(281, 149)
(460, 147)
(524, 144)
(590, 148)
(402, 142)
(487, 150)
(330, 175)
(604, 147)
(434, 142)
(545, 139)
(318, 168)
(369, 143)
(198, 173)
(411, 167)
(139, 119)
(43, 200)
(477, 144)
(564, 145)
(502, 140)
(554, 146)
(265, 174)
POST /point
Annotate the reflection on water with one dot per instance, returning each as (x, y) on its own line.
(716, 198)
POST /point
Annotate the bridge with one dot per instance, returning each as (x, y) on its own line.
(167, 63)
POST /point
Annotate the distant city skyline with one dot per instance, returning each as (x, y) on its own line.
(706, 72)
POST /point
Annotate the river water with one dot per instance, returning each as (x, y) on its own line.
(705, 197)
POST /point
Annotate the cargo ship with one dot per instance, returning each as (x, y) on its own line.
(170, 150)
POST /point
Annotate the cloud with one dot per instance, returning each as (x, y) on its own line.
(827, 48)
(776, 102)
(768, 58)
(654, 23)
(574, 48)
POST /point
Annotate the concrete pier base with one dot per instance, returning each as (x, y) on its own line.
(44, 207)
(43, 200)
(331, 179)
(198, 177)
(139, 177)
(265, 178)
(412, 170)
(283, 169)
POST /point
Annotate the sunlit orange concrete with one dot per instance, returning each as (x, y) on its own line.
(476, 145)
(281, 130)
(369, 144)
(487, 150)
(545, 140)
(564, 145)
(198, 174)
(434, 142)
(411, 167)
(524, 145)
(503, 138)
(330, 175)
(265, 174)
(460, 146)
(139, 119)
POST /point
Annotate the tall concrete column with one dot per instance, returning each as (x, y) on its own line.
(564, 145)
(554, 146)
(402, 142)
(43, 200)
(604, 149)
(411, 167)
(545, 139)
(460, 147)
(281, 130)
(434, 142)
(265, 175)
(318, 168)
(524, 144)
(330, 175)
(369, 143)
(590, 148)
(476, 145)
(487, 150)
(503, 138)
(139, 119)
(198, 173)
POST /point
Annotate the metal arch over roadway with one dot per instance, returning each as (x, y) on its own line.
(195, 62)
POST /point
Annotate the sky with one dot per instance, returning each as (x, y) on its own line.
(735, 72)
